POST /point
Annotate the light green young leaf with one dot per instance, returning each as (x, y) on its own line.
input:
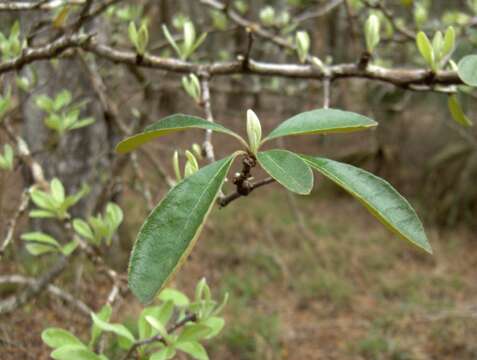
(117, 329)
(302, 45)
(82, 123)
(168, 125)
(378, 196)
(156, 324)
(57, 190)
(165, 354)
(42, 199)
(171, 40)
(437, 43)
(176, 166)
(132, 33)
(171, 230)
(69, 247)
(468, 70)
(194, 349)
(74, 352)
(83, 229)
(40, 249)
(178, 298)
(40, 237)
(194, 332)
(57, 337)
(321, 121)
(254, 131)
(61, 100)
(425, 48)
(216, 324)
(44, 102)
(288, 169)
(142, 38)
(104, 314)
(449, 42)
(41, 214)
(457, 113)
(371, 31)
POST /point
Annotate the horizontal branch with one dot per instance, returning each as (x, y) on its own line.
(227, 199)
(406, 78)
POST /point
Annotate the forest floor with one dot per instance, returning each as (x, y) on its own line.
(333, 285)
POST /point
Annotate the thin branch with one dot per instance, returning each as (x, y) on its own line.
(227, 199)
(52, 289)
(322, 11)
(158, 337)
(37, 5)
(207, 146)
(25, 199)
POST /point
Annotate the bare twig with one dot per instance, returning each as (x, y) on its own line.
(25, 199)
(52, 289)
(207, 146)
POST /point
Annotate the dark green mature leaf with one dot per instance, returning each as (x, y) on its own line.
(321, 121)
(171, 230)
(468, 70)
(167, 125)
(288, 169)
(378, 196)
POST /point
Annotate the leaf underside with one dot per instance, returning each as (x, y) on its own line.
(170, 231)
(378, 196)
(468, 70)
(288, 169)
(322, 121)
(167, 125)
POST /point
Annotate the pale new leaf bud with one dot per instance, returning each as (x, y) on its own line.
(371, 29)
(254, 131)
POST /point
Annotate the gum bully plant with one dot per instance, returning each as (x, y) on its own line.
(171, 230)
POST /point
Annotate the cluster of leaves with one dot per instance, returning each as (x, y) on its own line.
(171, 230)
(52, 204)
(55, 203)
(191, 166)
(437, 53)
(62, 115)
(190, 42)
(156, 338)
(6, 159)
(139, 38)
(11, 46)
(100, 227)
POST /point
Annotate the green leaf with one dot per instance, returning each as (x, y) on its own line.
(194, 349)
(69, 247)
(117, 329)
(167, 125)
(104, 314)
(165, 354)
(171, 40)
(178, 298)
(82, 123)
(171, 230)
(132, 33)
(194, 332)
(425, 48)
(74, 352)
(41, 214)
(57, 190)
(156, 324)
(378, 196)
(449, 42)
(468, 70)
(40, 238)
(83, 229)
(57, 337)
(288, 169)
(216, 324)
(62, 99)
(40, 249)
(42, 199)
(457, 113)
(321, 121)
(44, 102)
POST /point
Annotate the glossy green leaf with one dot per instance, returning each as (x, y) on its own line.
(167, 125)
(74, 352)
(288, 169)
(321, 121)
(171, 230)
(378, 196)
(57, 337)
(457, 113)
(468, 70)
